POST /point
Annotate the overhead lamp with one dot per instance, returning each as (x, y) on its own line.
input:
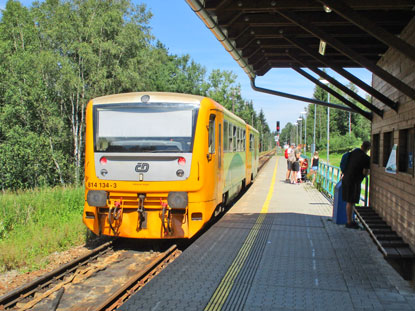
(326, 9)
(324, 81)
(322, 47)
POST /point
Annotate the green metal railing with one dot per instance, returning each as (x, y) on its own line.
(328, 177)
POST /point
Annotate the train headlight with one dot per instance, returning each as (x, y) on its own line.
(177, 200)
(97, 198)
(145, 98)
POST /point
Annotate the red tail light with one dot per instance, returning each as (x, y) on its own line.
(103, 160)
(181, 161)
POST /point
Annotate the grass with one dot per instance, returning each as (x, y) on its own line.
(334, 158)
(36, 223)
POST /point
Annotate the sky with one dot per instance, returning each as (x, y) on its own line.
(182, 32)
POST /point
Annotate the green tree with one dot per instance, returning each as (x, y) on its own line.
(29, 125)
(57, 55)
(340, 138)
(99, 47)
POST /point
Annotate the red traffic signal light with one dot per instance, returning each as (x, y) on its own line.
(278, 126)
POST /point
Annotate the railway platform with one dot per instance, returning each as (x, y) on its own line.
(277, 249)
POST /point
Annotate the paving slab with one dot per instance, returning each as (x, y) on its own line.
(277, 249)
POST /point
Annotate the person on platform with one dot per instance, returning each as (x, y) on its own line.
(295, 164)
(290, 159)
(357, 167)
(314, 166)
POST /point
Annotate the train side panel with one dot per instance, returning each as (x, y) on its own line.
(235, 155)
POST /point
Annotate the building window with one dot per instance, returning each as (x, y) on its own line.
(406, 151)
(387, 146)
(375, 149)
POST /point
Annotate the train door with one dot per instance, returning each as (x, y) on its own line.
(248, 149)
(215, 154)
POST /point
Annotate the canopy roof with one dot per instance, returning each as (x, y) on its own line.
(266, 34)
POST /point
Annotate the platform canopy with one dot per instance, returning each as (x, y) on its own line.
(313, 34)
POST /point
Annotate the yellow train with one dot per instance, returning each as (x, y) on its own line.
(161, 165)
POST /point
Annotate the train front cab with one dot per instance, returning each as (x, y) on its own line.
(119, 214)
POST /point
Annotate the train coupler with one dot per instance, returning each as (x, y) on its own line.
(115, 215)
(142, 214)
(166, 218)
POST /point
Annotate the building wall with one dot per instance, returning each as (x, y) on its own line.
(393, 195)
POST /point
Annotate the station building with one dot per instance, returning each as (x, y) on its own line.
(378, 35)
(392, 192)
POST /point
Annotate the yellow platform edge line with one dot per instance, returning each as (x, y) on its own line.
(222, 291)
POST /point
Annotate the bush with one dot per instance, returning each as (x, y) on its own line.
(38, 222)
(342, 144)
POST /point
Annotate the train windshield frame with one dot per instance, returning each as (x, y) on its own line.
(145, 128)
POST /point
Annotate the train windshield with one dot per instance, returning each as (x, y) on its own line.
(152, 128)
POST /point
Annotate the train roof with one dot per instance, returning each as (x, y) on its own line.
(167, 97)
(154, 97)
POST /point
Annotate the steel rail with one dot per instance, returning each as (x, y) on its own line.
(139, 280)
(265, 158)
(11, 299)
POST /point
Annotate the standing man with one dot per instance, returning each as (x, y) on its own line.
(357, 167)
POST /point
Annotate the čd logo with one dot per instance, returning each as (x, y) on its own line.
(142, 167)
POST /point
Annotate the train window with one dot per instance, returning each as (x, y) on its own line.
(235, 138)
(251, 142)
(374, 152)
(226, 136)
(241, 147)
(238, 139)
(220, 145)
(212, 133)
(406, 151)
(243, 140)
(230, 137)
(130, 128)
(387, 146)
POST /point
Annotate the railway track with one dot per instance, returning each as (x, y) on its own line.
(100, 280)
(264, 158)
(11, 299)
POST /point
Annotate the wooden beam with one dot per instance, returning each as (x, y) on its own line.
(368, 26)
(340, 86)
(380, 72)
(355, 108)
(364, 86)
(307, 5)
(300, 98)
